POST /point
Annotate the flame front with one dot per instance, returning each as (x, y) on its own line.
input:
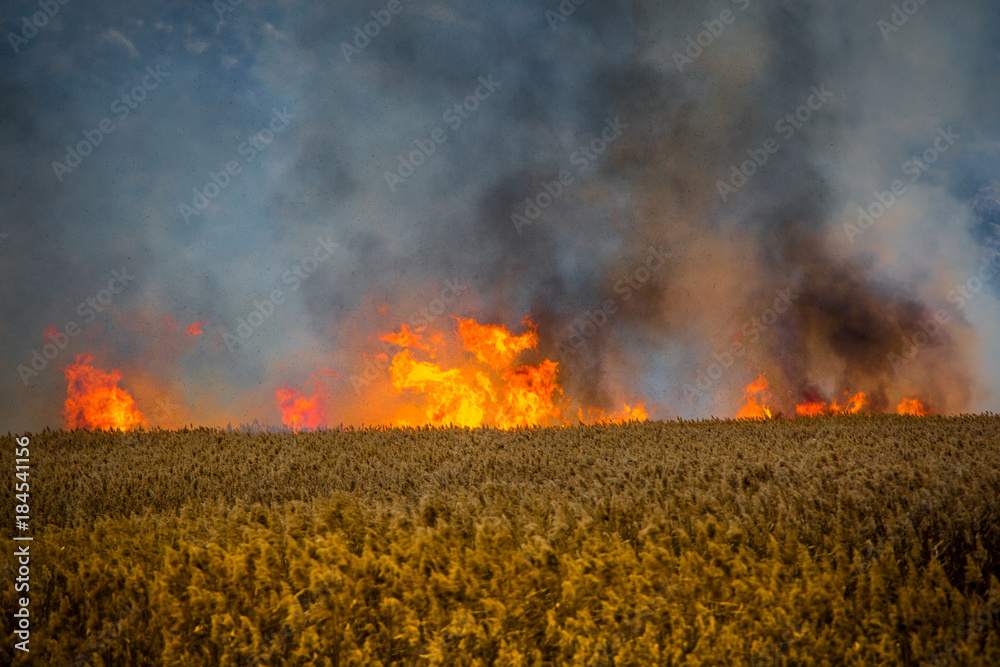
(95, 401)
(488, 389)
(851, 406)
(754, 397)
(478, 380)
(299, 411)
(626, 414)
(494, 345)
(912, 406)
(455, 396)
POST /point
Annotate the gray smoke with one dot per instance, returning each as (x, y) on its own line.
(288, 151)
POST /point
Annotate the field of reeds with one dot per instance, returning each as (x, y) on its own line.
(861, 540)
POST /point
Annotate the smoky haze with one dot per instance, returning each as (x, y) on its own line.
(684, 194)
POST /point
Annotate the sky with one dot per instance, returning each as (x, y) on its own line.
(680, 196)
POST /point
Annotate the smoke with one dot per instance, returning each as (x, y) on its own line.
(300, 185)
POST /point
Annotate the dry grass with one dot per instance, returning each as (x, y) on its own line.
(852, 540)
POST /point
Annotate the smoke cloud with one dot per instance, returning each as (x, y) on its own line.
(681, 197)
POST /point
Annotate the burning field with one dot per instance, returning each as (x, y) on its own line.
(471, 374)
(385, 332)
(471, 379)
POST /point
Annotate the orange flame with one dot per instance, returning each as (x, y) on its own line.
(195, 329)
(494, 345)
(455, 396)
(754, 396)
(811, 409)
(487, 386)
(407, 338)
(529, 395)
(299, 411)
(852, 406)
(95, 401)
(911, 406)
(626, 414)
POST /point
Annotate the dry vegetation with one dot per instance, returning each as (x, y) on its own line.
(839, 541)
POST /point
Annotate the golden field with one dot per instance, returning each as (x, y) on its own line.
(856, 540)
